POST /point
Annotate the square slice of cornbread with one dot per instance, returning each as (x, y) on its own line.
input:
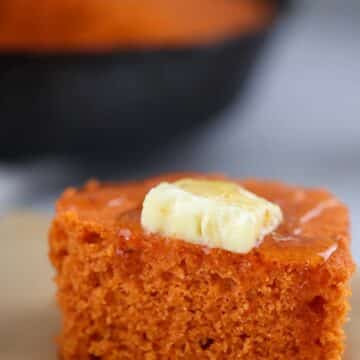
(127, 294)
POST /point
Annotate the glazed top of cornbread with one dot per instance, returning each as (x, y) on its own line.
(95, 24)
(315, 226)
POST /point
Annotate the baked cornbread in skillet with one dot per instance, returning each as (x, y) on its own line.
(74, 25)
(127, 293)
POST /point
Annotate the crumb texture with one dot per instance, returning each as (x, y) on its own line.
(125, 294)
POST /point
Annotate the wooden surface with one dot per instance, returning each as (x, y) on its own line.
(29, 319)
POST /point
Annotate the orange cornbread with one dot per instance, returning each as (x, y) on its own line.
(125, 294)
(70, 25)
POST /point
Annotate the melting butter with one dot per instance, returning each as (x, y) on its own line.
(216, 214)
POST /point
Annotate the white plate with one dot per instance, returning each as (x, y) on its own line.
(29, 320)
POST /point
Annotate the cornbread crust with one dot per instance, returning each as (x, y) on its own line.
(125, 294)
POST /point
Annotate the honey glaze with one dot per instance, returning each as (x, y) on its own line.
(310, 215)
(314, 213)
(313, 220)
(321, 218)
(116, 202)
(318, 210)
(295, 241)
(327, 253)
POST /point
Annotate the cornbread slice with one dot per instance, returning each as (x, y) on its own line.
(128, 294)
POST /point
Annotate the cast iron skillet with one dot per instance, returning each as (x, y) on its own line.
(120, 102)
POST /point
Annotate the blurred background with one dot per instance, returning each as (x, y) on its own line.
(247, 88)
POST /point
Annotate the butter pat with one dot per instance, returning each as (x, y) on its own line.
(216, 214)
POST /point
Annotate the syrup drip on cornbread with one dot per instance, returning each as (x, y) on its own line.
(307, 217)
(327, 253)
(116, 202)
(322, 219)
(318, 210)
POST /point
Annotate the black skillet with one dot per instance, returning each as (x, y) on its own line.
(121, 102)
